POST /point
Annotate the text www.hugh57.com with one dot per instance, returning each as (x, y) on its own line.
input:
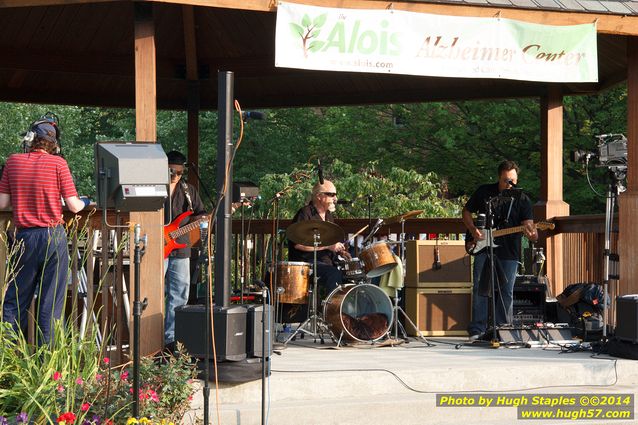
(573, 414)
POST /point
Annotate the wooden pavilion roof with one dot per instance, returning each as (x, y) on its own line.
(80, 52)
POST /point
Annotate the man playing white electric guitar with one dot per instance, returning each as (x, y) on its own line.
(515, 211)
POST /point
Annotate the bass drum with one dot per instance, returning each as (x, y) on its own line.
(358, 312)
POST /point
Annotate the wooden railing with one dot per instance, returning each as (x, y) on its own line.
(582, 254)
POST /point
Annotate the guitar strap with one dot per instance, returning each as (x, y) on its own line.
(187, 195)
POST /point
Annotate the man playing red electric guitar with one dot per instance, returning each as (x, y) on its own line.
(183, 198)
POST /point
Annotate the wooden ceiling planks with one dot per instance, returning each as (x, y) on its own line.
(88, 47)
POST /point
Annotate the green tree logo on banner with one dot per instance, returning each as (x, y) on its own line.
(309, 30)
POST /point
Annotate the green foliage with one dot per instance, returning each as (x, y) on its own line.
(461, 142)
(72, 377)
(394, 192)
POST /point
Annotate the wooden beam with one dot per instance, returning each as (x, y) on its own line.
(551, 202)
(606, 23)
(152, 266)
(193, 101)
(34, 3)
(628, 203)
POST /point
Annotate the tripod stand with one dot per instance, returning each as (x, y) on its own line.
(307, 233)
(396, 308)
(614, 189)
(313, 318)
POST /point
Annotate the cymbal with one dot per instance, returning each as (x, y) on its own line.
(401, 217)
(302, 232)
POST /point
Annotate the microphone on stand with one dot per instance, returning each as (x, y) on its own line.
(252, 115)
(203, 233)
(437, 259)
(344, 202)
(320, 171)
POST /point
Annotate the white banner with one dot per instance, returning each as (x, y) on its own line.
(399, 42)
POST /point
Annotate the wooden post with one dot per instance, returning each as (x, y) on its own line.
(152, 265)
(551, 202)
(193, 102)
(628, 202)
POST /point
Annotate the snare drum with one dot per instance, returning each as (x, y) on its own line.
(353, 269)
(378, 259)
(358, 312)
(293, 277)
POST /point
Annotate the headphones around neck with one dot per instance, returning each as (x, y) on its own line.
(31, 134)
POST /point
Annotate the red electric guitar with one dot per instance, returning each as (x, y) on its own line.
(173, 231)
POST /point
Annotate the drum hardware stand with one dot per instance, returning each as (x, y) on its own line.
(313, 318)
(396, 309)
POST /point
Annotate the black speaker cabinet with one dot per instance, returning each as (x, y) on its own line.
(423, 271)
(230, 331)
(627, 318)
(254, 331)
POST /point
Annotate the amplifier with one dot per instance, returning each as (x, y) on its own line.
(627, 318)
(423, 269)
(230, 331)
(255, 330)
(528, 301)
(440, 311)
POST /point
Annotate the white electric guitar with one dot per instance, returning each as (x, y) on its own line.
(473, 247)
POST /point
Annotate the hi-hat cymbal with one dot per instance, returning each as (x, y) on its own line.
(302, 232)
(402, 217)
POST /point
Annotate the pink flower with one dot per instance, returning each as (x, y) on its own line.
(57, 375)
(79, 381)
(98, 376)
(85, 407)
(60, 388)
(152, 395)
(106, 360)
(124, 375)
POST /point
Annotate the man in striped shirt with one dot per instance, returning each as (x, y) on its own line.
(33, 183)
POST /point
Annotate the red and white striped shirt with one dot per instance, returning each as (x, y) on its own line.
(36, 181)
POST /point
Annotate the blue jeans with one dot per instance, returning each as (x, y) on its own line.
(504, 296)
(43, 266)
(176, 287)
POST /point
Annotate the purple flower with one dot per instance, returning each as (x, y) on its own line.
(22, 418)
(3, 421)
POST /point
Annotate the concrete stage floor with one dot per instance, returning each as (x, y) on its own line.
(313, 383)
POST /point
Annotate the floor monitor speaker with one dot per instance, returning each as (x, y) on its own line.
(230, 331)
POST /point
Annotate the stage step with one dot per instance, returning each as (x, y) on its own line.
(322, 385)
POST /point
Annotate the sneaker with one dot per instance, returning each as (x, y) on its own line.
(474, 337)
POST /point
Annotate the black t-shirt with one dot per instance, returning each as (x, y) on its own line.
(309, 212)
(507, 213)
(179, 204)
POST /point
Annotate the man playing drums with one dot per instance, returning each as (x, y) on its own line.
(320, 207)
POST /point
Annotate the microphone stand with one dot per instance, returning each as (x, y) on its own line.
(265, 357)
(490, 243)
(138, 307)
(203, 262)
(201, 183)
(369, 197)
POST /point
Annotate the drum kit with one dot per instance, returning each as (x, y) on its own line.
(357, 310)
